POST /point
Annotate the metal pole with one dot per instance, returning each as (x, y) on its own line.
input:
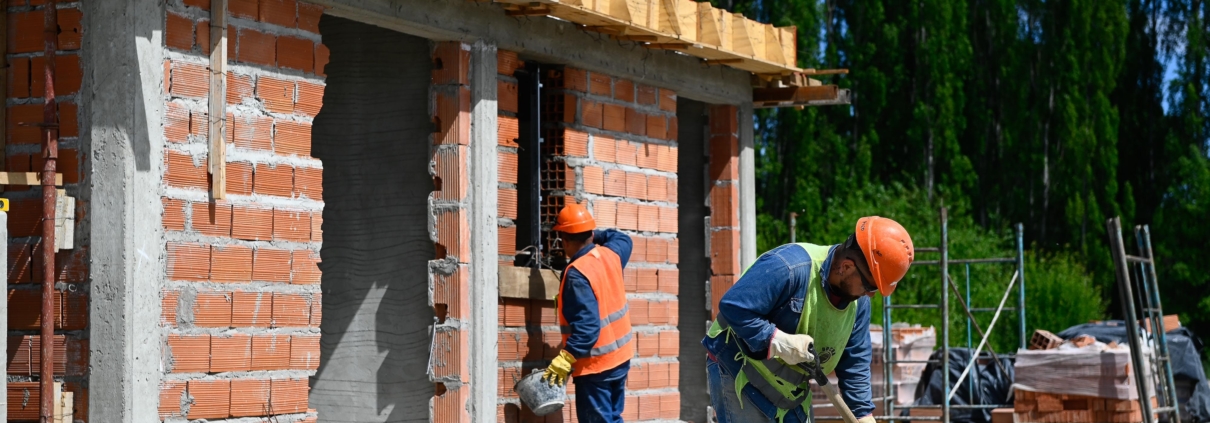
(982, 343)
(1021, 285)
(969, 320)
(1126, 295)
(1163, 336)
(945, 316)
(793, 224)
(50, 152)
(888, 377)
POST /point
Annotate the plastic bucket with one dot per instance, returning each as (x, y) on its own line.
(540, 396)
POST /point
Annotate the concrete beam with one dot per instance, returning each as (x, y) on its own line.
(747, 187)
(551, 41)
(121, 114)
(485, 289)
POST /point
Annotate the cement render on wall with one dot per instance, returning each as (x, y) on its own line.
(121, 114)
(694, 268)
(372, 136)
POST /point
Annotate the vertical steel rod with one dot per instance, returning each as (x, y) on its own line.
(887, 356)
(50, 152)
(1126, 295)
(969, 321)
(793, 225)
(1021, 286)
(945, 316)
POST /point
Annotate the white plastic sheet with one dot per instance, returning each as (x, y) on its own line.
(1095, 370)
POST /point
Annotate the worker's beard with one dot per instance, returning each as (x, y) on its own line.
(839, 293)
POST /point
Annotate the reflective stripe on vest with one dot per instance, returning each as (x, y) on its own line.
(603, 269)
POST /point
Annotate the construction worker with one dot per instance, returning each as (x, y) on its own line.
(594, 316)
(792, 298)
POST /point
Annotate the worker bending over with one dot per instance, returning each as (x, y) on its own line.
(794, 296)
(594, 317)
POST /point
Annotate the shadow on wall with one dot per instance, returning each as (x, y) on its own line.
(373, 137)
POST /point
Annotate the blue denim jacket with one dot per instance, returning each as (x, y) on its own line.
(769, 296)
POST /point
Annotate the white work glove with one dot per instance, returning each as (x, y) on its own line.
(793, 349)
(866, 419)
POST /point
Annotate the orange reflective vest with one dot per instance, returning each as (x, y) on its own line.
(615, 345)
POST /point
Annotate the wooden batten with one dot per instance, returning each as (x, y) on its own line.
(679, 17)
(645, 13)
(714, 26)
(617, 9)
(789, 45)
(773, 44)
(748, 38)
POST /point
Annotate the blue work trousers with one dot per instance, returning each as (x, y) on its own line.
(600, 401)
(727, 406)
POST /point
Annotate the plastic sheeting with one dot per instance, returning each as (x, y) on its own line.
(990, 386)
(1184, 347)
(1092, 371)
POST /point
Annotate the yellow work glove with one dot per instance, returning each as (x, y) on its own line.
(866, 419)
(792, 349)
(560, 367)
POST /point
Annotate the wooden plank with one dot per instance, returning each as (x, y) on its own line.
(746, 37)
(218, 99)
(524, 282)
(69, 406)
(679, 17)
(57, 411)
(789, 45)
(26, 178)
(773, 44)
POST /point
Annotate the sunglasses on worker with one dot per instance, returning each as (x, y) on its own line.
(862, 268)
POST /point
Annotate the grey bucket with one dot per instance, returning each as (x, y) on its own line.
(540, 396)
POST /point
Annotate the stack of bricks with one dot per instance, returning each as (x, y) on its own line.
(724, 201)
(611, 145)
(1038, 407)
(242, 304)
(22, 152)
(449, 273)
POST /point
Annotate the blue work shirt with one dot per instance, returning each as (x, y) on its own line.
(580, 303)
(770, 296)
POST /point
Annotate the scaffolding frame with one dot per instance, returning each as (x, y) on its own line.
(947, 284)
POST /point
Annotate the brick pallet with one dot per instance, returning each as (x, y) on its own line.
(1039, 407)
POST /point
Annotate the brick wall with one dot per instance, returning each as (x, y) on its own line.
(23, 110)
(241, 296)
(449, 205)
(611, 144)
(724, 201)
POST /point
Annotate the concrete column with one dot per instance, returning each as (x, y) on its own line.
(484, 288)
(747, 187)
(121, 132)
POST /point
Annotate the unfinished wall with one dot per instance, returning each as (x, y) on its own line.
(694, 266)
(22, 135)
(609, 143)
(723, 174)
(241, 298)
(373, 137)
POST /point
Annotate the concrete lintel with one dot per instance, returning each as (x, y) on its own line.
(747, 187)
(121, 112)
(484, 289)
(552, 41)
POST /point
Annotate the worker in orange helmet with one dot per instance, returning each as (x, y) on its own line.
(794, 301)
(594, 316)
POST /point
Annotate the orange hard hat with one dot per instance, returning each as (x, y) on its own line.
(887, 248)
(574, 219)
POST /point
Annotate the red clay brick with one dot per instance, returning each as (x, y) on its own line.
(639, 377)
(279, 12)
(290, 310)
(256, 47)
(657, 375)
(615, 183)
(305, 267)
(668, 100)
(273, 180)
(188, 262)
(251, 131)
(321, 58)
(600, 84)
(25, 32)
(19, 77)
(170, 398)
(592, 114)
(304, 352)
(295, 53)
(288, 396)
(239, 87)
(317, 232)
(646, 94)
(69, 125)
(20, 123)
(649, 407)
(450, 354)
(673, 131)
(70, 29)
(453, 235)
(507, 131)
(188, 80)
(174, 216)
(670, 403)
(657, 251)
(249, 397)
(649, 217)
(724, 120)
(636, 122)
(648, 344)
(674, 255)
(453, 117)
(308, 183)
(451, 63)
(506, 203)
(636, 185)
(239, 178)
(594, 179)
(176, 122)
(657, 188)
(575, 143)
(270, 352)
(507, 167)
(667, 159)
(570, 110)
(623, 90)
(506, 96)
(614, 116)
(450, 166)
(251, 309)
(247, 9)
(638, 251)
(507, 62)
(292, 138)
(657, 127)
(506, 238)
(672, 187)
(231, 263)
(724, 254)
(252, 223)
(190, 353)
(669, 281)
(575, 79)
(212, 310)
(724, 158)
(199, 123)
(453, 291)
(308, 17)
(211, 399)
(670, 343)
(628, 216)
(202, 35)
(668, 219)
(291, 225)
(310, 98)
(627, 153)
(724, 205)
(271, 265)
(212, 219)
(648, 282)
(230, 353)
(604, 149)
(605, 212)
(277, 94)
(178, 32)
